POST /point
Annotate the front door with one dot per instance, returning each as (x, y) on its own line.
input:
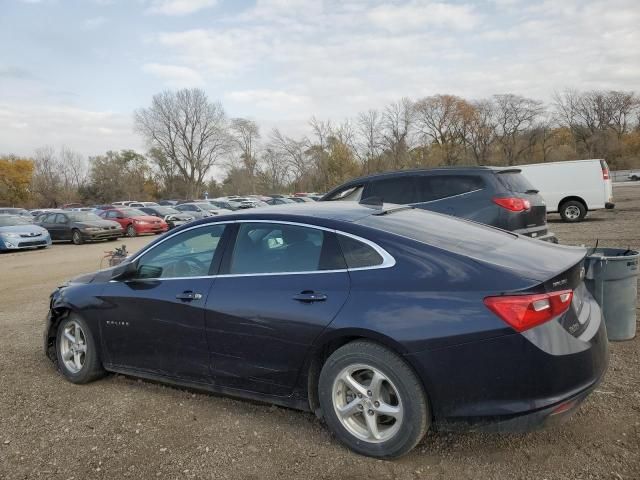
(279, 287)
(154, 322)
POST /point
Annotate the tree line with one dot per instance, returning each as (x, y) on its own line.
(188, 136)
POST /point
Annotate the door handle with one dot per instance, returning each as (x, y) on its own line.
(188, 296)
(310, 297)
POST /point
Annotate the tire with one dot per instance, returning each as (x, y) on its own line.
(76, 237)
(131, 231)
(400, 393)
(83, 365)
(112, 239)
(573, 211)
(635, 178)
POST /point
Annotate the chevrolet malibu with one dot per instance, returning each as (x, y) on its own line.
(385, 321)
(18, 232)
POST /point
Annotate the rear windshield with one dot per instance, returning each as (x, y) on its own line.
(440, 231)
(515, 182)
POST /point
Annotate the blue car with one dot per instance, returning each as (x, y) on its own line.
(386, 321)
(18, 232)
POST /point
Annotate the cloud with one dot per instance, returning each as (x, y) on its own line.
(175, 75)
(178, 7)
(270, 99)
(419, 14)
(93, 23)
(15, 73)
(24, 128)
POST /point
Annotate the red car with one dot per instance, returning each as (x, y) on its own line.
(134, 222)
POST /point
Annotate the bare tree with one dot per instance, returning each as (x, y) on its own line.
(294, 152)
(246, 134)
(515, 115)
(480, 131)
(190, 131)
(441, 120)
(274, 171)
(369, 141)
(397, 121)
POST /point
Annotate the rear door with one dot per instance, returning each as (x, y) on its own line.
(62, 227)
(284, 283)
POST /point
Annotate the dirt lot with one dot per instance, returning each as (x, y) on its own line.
(120, 427)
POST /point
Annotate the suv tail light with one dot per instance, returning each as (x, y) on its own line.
(523, 312)
(514, 204)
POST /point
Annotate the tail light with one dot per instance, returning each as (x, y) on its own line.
(514, 204)
(605, 170)
(523, 312)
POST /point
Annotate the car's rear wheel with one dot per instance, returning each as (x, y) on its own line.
(131, 231)
(573, 211)
(76, 237)
(112, 239)
(78, 357)
(372, 400)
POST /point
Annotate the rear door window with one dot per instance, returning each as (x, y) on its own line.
(401, 190)
(436, 187)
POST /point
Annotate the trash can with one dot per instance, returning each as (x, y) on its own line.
(612, 278)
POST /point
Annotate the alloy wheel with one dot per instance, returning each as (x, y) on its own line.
(77, 239)
(367, 403)
(131, 231)
(73, 347)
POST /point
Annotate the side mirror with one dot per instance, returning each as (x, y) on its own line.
(149, 271)
(125, 271)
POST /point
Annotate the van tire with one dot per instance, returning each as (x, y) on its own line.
(572, 211)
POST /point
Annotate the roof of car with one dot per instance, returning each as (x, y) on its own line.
(341, 211)
(465, 169)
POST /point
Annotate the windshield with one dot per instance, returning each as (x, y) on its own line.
(166, 210)
(83, 216)
(10, 220)
(132, 212)
(206, 206)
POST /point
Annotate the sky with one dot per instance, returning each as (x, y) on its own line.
(73, 71)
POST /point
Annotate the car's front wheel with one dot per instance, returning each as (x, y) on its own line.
(131, 231)
(78, 357)
(372, 400)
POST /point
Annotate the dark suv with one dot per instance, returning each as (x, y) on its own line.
(501, 197)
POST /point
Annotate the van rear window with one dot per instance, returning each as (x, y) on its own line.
(515, 182)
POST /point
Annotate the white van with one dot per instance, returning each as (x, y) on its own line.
(572, 188)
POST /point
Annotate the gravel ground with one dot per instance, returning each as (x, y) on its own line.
(120, 427)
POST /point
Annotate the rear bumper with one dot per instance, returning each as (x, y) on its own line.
(609, 205)
(515, 382)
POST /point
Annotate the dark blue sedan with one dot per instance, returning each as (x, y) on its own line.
(385, 321)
